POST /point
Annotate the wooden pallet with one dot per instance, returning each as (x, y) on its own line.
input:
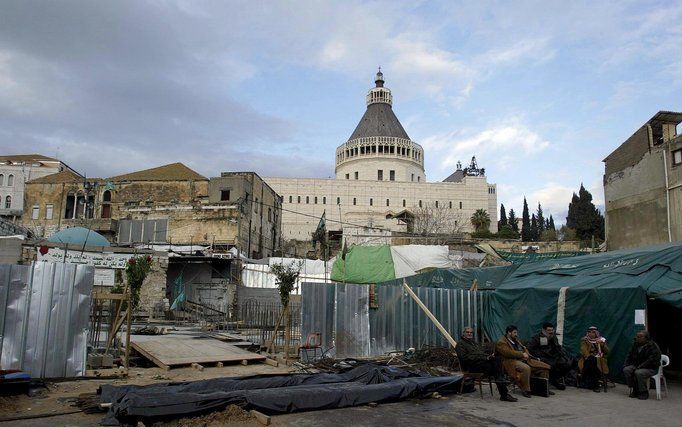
(170, 351)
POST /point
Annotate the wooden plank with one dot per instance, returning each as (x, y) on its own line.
(174, 350)
(429, 315)
(261, 417)
(143, 352)
(271, 362)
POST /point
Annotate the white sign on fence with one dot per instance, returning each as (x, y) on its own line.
(96, 259)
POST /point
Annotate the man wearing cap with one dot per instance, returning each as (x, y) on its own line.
(641, 364)
(545, 346)
(473, 359)
(517, 362)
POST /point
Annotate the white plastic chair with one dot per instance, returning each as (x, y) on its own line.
(665, 361)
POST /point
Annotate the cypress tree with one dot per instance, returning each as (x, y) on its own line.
(541, 221)
(584, 217)
(525, 223)
(513, 221)
(503, 217)
(551, 225)
(534, 230)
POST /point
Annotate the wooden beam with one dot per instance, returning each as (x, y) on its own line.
(261, 417)
(429, 314)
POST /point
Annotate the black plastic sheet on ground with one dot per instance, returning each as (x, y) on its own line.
(271, 394)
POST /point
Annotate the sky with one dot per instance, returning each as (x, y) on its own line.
(539, 91)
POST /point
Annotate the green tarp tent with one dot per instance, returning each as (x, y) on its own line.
(364, 264)
(486, 278)
(604, 290)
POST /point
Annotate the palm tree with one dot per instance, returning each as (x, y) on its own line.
(480, 219)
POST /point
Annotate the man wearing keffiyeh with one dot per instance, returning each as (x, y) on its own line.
(593, 365)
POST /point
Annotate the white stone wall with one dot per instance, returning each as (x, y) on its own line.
(367, 168)
(300, 219)
(21, 174)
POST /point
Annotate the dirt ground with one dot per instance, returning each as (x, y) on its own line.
(60, 397)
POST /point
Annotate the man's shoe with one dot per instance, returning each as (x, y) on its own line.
(560, 386)
(633, 393)
(508, 398)
(643, 396)
(550, 392)
(525, 394)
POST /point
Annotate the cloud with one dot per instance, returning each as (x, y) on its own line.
(501, 145)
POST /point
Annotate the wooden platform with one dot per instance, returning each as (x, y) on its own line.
(169, 351)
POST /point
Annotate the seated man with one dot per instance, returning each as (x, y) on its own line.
(545, 346)
(642, 362)
(473, 359)
(517, 362)
(593, 364)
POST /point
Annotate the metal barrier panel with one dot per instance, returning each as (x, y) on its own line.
(393, 323)
(54, 299)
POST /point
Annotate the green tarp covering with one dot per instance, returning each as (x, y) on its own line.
(603, 290)
(364, 264)
(486, 278)
(520, 258)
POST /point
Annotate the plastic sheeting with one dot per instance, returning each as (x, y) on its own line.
(259, 275)
(271, 394)
(410, 259)
(44, 313)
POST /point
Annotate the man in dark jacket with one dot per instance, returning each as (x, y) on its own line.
(642, 362)
(473, 359)
(545, 346)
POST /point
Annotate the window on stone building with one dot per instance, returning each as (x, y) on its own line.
(412, 178)
(35, 212)
(324, 200)
(70, 204)
(307, 199)
(460, 205)
(355, 201)
(338, 200)
(380, 175)
(391, 175)
(371, 202)
(436, 203)
(10, 180)
(420, 203)
(291, 198)
(356, 175)
(2, 179)
(419, 179)
(450, 205)
(8, 202)
(315, 199)
(48, 211)
(270, 214)
(388, 202)
(90, 207)
(403, 202)
(677, 157)
(347, 176)
(225, 195)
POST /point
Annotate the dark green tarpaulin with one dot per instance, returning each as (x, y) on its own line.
(520, 258)
(486, 278)
(364, 264)
(603, 290)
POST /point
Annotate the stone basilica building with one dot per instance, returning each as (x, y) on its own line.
(380, 185)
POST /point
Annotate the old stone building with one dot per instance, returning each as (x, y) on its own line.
(15, 170)
(643, 185)
(170, 204)
(381, 183)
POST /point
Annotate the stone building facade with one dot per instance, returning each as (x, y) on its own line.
(381, 183)
(15, 170)
(643, 185)
(170, 204)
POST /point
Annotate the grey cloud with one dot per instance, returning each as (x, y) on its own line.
(102, 81)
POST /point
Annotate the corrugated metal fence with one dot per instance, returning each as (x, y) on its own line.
(44, 313)
(360, 320)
